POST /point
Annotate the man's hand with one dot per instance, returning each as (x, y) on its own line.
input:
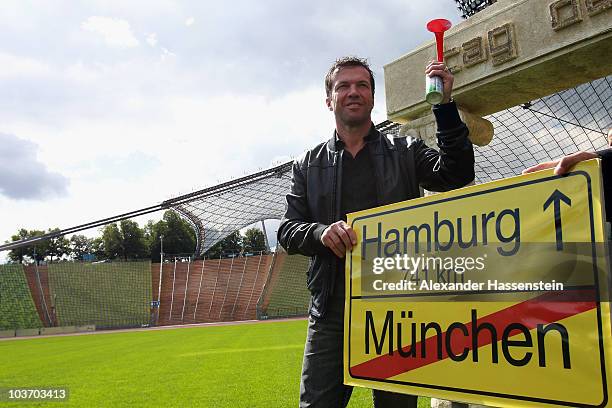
(339, 237)
(564, 164)
(436, 68)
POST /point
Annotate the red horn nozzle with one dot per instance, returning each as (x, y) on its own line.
(438, 27)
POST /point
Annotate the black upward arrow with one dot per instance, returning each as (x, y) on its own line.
(556, 197)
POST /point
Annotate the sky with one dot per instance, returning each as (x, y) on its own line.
(111, 106)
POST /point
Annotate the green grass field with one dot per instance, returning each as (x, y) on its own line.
(249, 365)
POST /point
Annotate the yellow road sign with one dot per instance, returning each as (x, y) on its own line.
(494, 294)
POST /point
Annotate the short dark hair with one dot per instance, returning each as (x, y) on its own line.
(347, 62)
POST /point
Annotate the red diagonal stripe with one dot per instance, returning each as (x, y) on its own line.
(543, 309)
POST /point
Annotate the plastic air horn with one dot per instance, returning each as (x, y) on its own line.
(433, 85)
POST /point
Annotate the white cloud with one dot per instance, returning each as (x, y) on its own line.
(116, 32)
(80, 72)
(21, 67)
(152, 39)
(166, 54)
(189, 21)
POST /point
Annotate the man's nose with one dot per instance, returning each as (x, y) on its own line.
(353, 91)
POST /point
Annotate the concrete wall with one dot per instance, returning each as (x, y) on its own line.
(508, 54)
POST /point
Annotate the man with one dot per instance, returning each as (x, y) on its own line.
(358, 168)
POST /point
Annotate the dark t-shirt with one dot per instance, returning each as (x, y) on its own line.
(358, 193)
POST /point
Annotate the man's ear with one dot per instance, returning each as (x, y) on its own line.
(328, 103)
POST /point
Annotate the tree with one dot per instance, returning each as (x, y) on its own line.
(111, 237)
(125, 241)
(80, 245)
(97, 248)
(254, 240)
(47, 249)
(57, 246)
(179, 236)
(153, 232)
(134, 246)
(232, 244)
(37, 251)
(19, 254)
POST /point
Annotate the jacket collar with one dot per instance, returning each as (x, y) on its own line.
(336, 144)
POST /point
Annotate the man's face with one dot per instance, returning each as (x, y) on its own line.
(351, 97)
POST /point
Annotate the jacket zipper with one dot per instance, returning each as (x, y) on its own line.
(334, 215)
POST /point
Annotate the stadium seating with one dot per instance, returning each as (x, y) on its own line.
(119, 294)
(210, 290)
(17, 310)
(285, 293)
(109, 295)
(38, 281)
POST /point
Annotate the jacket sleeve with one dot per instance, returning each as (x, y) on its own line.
(453, 166)
(297, 232)
(606, 173)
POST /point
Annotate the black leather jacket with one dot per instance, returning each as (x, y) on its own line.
(400, 168)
